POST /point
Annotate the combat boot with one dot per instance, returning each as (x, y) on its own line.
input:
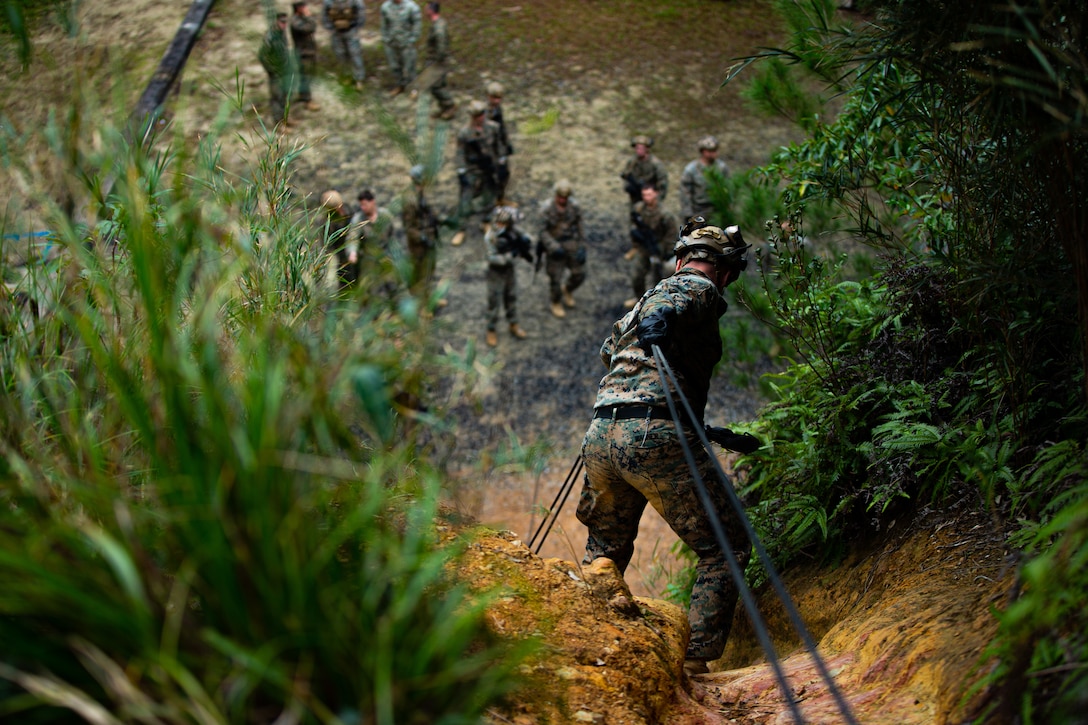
(492, 338)
(695, 667)
(568, 299)
(557, 310)
(449, 113)
(517, 332)
(458, 239)
(311, 106)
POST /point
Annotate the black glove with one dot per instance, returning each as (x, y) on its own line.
(653, 329)
(558, 253)
(739, 442)
(580, 255)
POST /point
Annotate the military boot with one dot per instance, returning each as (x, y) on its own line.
(557, 310)
(458, 239)
(568, 299)
(492, 338)
(517, 332)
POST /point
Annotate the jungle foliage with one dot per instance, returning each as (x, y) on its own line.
(209, 510)
(957, 369)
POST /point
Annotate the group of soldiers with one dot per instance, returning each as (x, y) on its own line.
(291, 65)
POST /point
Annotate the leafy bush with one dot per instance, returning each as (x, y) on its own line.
(209, 510)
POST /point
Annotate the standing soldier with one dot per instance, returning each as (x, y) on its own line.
(696, 181)
(494, 113)
(303, 28)
(438, 62)
(343, 18)
(651, 229)
(400, 23)
(561, 236)
(371, 227)
(420, 233)
(275, 58)
(632, 452)
(644, 168)
(505, 244)
(478, 154)
(336, 233)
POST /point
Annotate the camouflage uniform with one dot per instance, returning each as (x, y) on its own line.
(502, 279)
(639, 172)
(494, 114)
(371, 238)
(661, 226)
(421, 235)
(336, 233)
(477, 158)
(562, 238)
(629, 462)
(275, 58)
(303, 28)
(694, 185)
(438, 55)
(400, 24)
(343, 18)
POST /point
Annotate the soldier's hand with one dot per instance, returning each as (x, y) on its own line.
(739, 442)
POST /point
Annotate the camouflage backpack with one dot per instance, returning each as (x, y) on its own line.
(342, 14)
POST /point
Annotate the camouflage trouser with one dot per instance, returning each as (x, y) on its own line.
(345, 44)
(574, 260)
(423, 265)
(402, 63)
(640, 268)
(441, 92)
(477, 197)
(278, 87)
(502, 286)
(630, 462)
(307, 69)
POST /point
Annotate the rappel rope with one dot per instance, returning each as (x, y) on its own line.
(556, 507)
(667, 376)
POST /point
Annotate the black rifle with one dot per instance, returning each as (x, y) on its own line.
(474, 155)
(511, 240)
(633, 187)
(642, 235)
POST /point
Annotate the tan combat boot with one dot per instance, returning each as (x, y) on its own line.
(557, 310)
(311, 106)
(458, 239)
(568, 299)
(492, 338)
(517, 332)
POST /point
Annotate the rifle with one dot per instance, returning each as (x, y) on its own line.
(511, 240)
(474, 154)
(633, 187)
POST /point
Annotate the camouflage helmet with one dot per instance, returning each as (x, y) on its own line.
(331, 199)
(477, 108)
(494, 88)
(708, 143)
(563, 188)
(699, 240)
(644, 140)
(417, 173)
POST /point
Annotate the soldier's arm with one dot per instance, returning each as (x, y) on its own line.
(360, 14)
(663, 181)
(687, 183)
(416, 24)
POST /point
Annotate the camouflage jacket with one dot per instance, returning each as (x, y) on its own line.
(420, 222)
(694, 185)
(343, 16)
(661, 224)
(438, 43)
(273, 53)
(561, 228)
(374, 236)
(494, 114)
(478, 149)
(649, 170)
(302, 35)
(400, 23)
(693, 349)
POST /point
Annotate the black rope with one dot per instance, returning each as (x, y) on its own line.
(557, 506)
(758, 625)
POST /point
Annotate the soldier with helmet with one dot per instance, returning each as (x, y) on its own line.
(644, 168)
(631, 451)
(400, 27)
(420, 232)
(564, 242)
(698, 176)
(343, 18)
(495, 93)
(303, 28)
(505, 244)
(438, 62)
(477, 161)
(652, 229)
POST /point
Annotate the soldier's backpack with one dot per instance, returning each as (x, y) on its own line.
(342, 14)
